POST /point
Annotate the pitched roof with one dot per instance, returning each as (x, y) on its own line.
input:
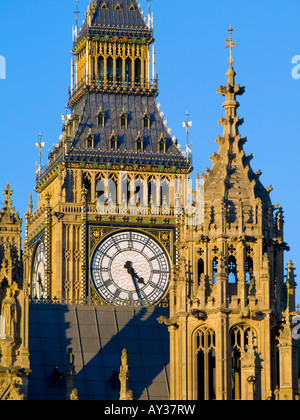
(112, 107)
(231, 177)
(97, 336)
(115, 17)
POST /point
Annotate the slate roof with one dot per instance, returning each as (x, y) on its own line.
(97, 336)
(134, 106)
(111, 21)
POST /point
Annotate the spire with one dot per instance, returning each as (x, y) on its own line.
(28, 214)
(7, 214)
(114, 18)
(231, 177)
(231, 121)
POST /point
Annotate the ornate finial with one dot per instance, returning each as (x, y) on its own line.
(40, 145)
(29, 209)
(229, 43)
(8, 193)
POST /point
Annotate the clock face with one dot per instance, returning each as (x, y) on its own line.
(38, 289)
(131, 268)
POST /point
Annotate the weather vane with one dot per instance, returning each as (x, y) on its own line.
(75, 30)
(40, 145)
(77, 13)
(229, 43)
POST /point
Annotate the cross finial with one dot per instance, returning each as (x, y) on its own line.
(229, 43)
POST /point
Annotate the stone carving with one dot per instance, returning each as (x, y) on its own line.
(9, 313)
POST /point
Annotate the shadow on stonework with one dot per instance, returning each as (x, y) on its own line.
(97, 336)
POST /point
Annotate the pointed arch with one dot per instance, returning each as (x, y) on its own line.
(205, 353)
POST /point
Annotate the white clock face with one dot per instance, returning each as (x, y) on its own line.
(38, 289)
(131, 268)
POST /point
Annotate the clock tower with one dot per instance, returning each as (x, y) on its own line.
(104, 228)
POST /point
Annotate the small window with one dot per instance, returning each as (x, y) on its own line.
(132, 8)
(113, 142)
(100, 120)
(123, 122)
(90, 141)
(162, 144)
(139, 143)
(104, 6)
(232, 270)
(123, 119)
(146, 123)
(162, 147)
(215, 269)
(114, 381)
(200, 270)
(118, 7)
(249, 270)
(56, 379)
(139, 146)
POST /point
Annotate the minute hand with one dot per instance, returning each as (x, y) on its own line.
(135, 278)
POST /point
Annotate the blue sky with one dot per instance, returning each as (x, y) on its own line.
(36, 40)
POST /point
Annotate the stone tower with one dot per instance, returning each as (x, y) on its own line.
(14, 354)
(116, 166)
(230, 315)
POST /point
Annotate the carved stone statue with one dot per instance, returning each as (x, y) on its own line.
(125, 393)
(9, 313)
(74, 395)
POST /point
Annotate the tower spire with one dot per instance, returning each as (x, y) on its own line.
(231, 120)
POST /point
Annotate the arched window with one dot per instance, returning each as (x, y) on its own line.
(128, 71)
(206, 363)
(240, 337)
(119, 66)
(215, 269)
(110, 69)
(249, 270)
(232, 271)
(138, 71)
(101, 67)
(200, 270)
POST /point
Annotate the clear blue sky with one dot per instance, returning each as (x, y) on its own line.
(36, 40)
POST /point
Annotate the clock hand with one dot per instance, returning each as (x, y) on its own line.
(132, 272)
(40, 282)
(134, 277)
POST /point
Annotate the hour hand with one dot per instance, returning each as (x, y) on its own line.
(133, 274)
